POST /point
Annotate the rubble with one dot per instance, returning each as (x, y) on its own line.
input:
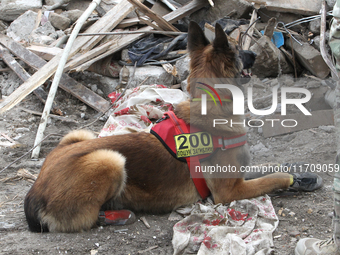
(12, 9)
(59, 21)
(150, 75)
(182, 67)
(73, 15)
(305, 7)
(314, 26)
(22, 27)
(98, 61)
(234, 8)
(310, 58)
(270, 61)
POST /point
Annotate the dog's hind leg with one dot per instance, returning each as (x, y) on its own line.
(237, 189)
(74, 204)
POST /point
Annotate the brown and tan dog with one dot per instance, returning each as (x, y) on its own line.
(135, 171)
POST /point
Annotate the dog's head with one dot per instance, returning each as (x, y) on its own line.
(220, 59)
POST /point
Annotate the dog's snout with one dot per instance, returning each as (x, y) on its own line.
(248, 58)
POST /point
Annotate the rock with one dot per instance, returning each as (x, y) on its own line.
(317, 102)
(3, 25)
(42, 39)
(94, 87)
(78, 5)
(328, 129)
(60, 33)
(316, 42)
(59, 21)
(258, 148)
(107, 85)
(125, 56)
(154, 75)
(44, 34)
(9, 82)
(104, 83)
(314, 26)
(331, 3)
(221, 9)
(100, 92)
(182, 67)
(83, 108)
(270, 61)
(330, 98)
(106, 66)
(46, 29)
(304, 7)
(12, 9)
(73, 15)
(184, 85)
(268, 65)
(22, 27)
(309, 57)
(52, 2)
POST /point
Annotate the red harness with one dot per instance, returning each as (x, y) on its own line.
(169, 128)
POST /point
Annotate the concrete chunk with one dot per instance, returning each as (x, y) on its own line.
(73, 15)
(310, 58)
(12, 9)
(239, 8)
(183, 66)
(270, 61)
(22, 27)
(59, 21)
(150, 75)
(304, 7)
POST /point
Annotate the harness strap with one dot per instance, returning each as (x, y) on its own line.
(231, 142)
(181, 127)
(192, 162)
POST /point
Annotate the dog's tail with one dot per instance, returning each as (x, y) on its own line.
(77, 136)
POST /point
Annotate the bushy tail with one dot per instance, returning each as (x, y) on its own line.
(77, 136)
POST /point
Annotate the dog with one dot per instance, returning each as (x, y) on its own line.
(84, 174)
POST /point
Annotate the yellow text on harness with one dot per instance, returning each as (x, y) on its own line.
(188, 145)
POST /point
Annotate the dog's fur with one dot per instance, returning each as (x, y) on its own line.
(134, 171)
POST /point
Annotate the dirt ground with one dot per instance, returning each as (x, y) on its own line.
(302, 214)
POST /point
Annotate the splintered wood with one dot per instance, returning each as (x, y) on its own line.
(91, 51)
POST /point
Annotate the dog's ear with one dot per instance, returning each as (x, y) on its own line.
(196, 37)
(221, 39)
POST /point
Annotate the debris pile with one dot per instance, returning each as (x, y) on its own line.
(288, 37)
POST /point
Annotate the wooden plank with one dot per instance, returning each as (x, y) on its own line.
(49, 69)
(13, 64)
(161, 22)
(123, 10)
(247, 40)
(21, 72)
(66, 83)
(318, 118)
(148, 22)
(129, 22)
(119, 42)
(47, 53)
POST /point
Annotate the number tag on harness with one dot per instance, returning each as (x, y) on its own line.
(188, 145)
